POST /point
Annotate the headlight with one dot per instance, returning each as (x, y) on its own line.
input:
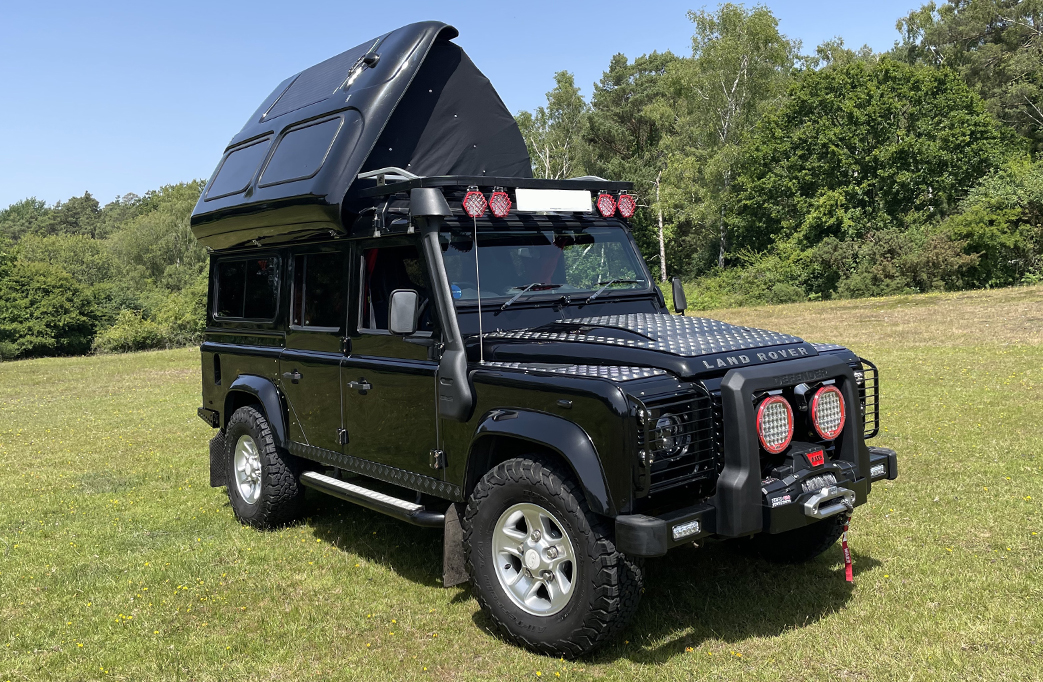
(775, 423)
(669, 438)
(827, 412)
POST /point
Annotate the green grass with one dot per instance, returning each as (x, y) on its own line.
(117, 561)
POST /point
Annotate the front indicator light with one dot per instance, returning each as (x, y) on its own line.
(775, 423)
(827, 412)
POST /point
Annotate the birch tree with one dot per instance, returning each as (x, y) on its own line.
(740, 67)
(630, 113)
(554, 133)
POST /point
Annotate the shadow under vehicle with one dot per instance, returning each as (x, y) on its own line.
(402, 317)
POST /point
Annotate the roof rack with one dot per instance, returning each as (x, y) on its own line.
(465, 181)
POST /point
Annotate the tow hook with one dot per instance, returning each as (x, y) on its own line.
(829, 501)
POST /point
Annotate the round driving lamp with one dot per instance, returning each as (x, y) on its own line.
(827, 412)
(775, 423)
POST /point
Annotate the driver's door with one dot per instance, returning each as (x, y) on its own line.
(388, 382)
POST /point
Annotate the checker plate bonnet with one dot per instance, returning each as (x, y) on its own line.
(684, 336)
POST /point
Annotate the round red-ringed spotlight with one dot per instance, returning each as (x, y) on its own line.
(827, 412)
(775, 423)
(500, 204)
(627, 204)
(606, 205)
(475, 203)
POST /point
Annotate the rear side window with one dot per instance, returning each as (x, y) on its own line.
(319, 291)
(247, 288)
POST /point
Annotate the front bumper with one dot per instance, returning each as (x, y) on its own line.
(782, 509)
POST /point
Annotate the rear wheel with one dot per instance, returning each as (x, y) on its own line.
(542, 565)
(798, 545)
(262, 479)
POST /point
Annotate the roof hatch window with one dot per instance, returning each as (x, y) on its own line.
(238, 169)
(301, 152)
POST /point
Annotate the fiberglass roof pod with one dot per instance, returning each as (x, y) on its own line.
(409, 98)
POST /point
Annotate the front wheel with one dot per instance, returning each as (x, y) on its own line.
(542, 565)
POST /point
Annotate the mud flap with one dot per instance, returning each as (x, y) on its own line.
(454, 566)
(218, 470)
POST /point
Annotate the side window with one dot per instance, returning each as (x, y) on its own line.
(247, 288)
(384, 270)
(319, 291)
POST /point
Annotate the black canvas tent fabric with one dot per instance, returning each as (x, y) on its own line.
(451, 121)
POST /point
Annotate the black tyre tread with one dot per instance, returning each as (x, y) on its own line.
(617, 580)
(799, 545)
(282, 495)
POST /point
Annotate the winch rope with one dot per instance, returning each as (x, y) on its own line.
(848, 568)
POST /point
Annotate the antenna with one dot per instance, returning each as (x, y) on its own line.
(478, 283)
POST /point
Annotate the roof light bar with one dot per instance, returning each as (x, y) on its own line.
(474, 203)
(627, 204)
(499, 203)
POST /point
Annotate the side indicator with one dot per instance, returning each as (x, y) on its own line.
(816, 459)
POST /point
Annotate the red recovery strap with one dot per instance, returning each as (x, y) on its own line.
(848, 572)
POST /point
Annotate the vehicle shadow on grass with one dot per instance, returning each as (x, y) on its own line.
(694, 595)
(410, 551)
(691, 595)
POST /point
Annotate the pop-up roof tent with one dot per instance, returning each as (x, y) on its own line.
(409, 99)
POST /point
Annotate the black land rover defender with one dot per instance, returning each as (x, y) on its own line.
(402, 317)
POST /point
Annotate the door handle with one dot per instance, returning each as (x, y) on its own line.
(293, 376)
(361, 385)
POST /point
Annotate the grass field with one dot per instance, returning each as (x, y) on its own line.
(117, 561)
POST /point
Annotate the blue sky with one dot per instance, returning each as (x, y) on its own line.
(124, 97)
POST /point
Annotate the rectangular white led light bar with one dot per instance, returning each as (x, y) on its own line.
(683, 530)
(877, 471)
(565, 200)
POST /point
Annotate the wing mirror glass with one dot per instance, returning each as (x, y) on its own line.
(402, 312)
(680, 302)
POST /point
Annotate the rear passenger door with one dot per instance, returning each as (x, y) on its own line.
(309, 366)
(389, 381)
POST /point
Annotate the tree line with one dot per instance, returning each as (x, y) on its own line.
(765, 175)
(78, 277)
(768, 175)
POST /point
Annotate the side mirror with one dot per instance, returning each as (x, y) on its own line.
(680, 302)
(402, 310)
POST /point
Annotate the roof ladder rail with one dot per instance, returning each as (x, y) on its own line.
(393, 171)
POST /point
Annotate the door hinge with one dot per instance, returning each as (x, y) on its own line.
(437, 460)
(342, 436)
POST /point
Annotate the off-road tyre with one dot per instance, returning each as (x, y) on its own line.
(607, 583)
(798, 545)
(281, 498)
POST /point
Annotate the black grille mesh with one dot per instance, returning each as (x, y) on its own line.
(697, 433)
(869, 397)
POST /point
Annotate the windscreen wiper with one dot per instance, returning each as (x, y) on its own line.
(606, 285)
(535, 286)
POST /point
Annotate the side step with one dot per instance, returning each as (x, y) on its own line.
(403, 510)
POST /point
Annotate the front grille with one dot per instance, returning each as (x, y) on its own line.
(686, 449)
(869, 397)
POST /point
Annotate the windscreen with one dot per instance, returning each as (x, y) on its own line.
(548, 261)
